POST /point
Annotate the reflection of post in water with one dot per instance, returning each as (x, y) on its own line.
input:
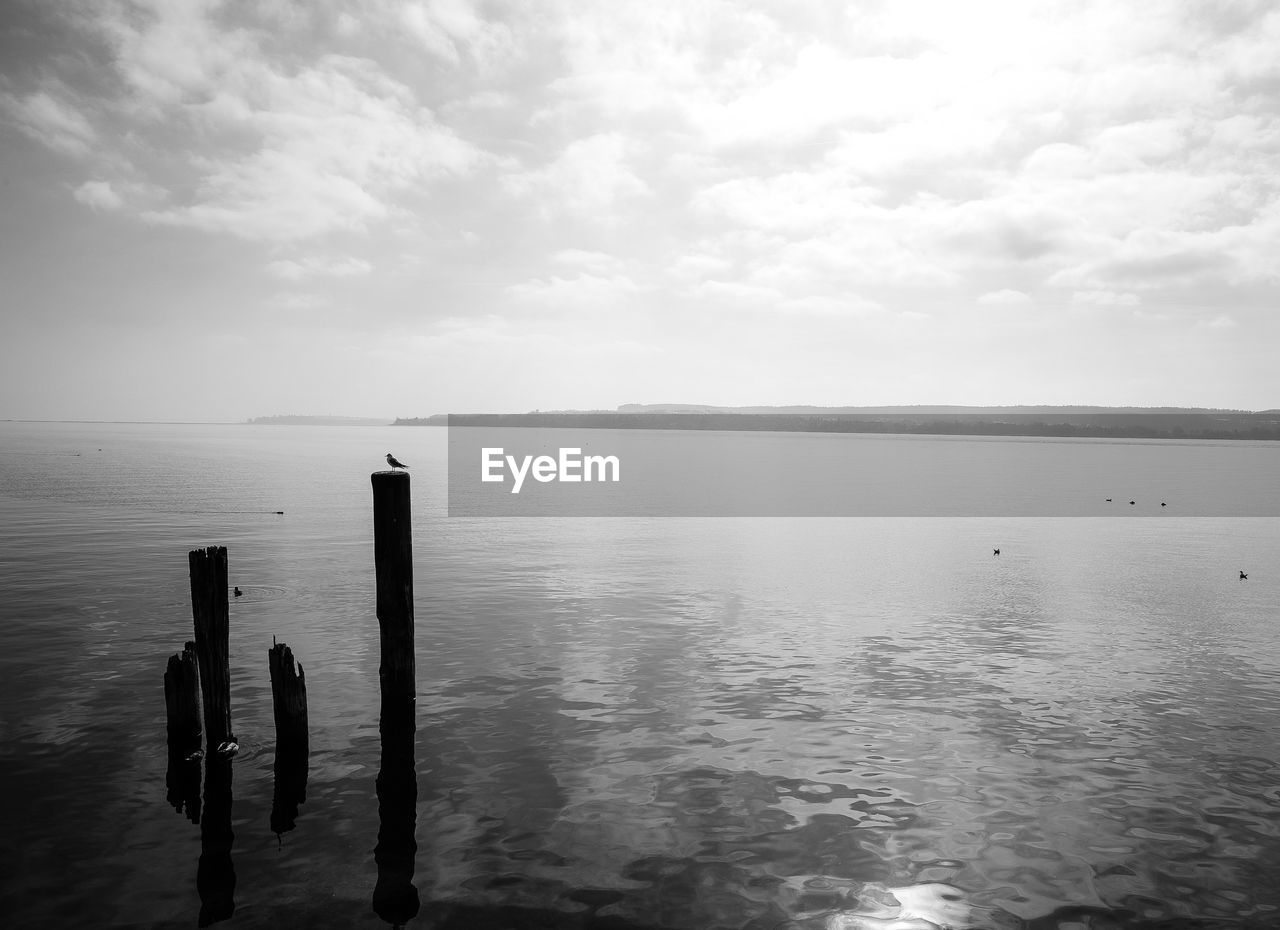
(215, 874)
(183, 781)
(289, 700)
(182, 703)
(395, 898)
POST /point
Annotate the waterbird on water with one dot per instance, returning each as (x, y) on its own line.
(394, 462)
(239, 592)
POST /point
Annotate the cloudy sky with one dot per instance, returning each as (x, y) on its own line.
(217, 210)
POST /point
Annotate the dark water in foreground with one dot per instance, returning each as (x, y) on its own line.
(739, 723)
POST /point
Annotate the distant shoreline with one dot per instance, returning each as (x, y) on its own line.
(292, 419)
(1215, 425)
(256, 421)
(1171, 423)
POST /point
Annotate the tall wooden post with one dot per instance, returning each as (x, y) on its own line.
(393, 564)
(211, 614)
(395, 898)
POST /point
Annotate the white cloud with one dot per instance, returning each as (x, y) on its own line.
(832, 306)
(51, 120)
(589, 178)
(1006, 297)
(283, 151)
(863, 254)
(736, 292)
(295, 300)
(314, 266)
(274, 196)
(449, 28)
(1106, 298)
(946, 137)
(584, 292)
(700, 266)
(1142, 145)
(825, 88)
(1057, 160)
(595, 262)
(172, 50)
(791, 202)
(1222, 321)
(99, 195)
(119, 194)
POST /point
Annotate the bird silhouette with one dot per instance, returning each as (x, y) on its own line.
(995, 551)
(239, 592)
(1131, 503)
(394, 462)
(1243, 576)
(1108, 500)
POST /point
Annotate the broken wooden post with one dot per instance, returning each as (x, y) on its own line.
(210, 612)
(393, 564)
(288, 696)
(182, 701)
(182, 705)
(289, 700)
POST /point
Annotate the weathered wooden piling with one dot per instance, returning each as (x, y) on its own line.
(395, 898)
(211, 614)
(393, 564)
(288, 696)
(289, 700)
(182, 701)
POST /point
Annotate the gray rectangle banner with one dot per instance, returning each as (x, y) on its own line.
(553, 471)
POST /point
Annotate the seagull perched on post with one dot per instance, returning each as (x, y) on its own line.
(394, 462)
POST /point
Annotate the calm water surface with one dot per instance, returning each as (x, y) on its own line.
(683, 723)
